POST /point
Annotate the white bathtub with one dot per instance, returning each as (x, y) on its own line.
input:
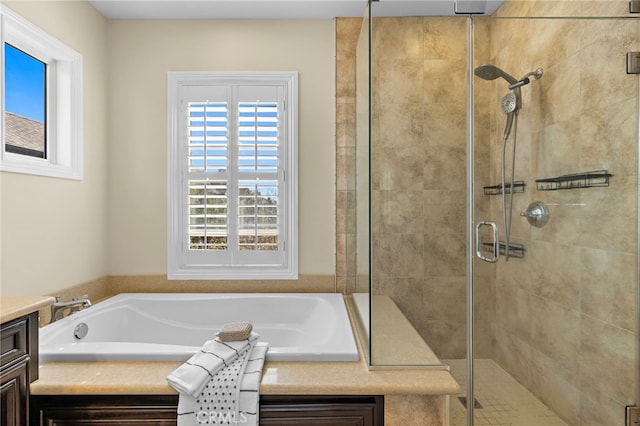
(171, 327)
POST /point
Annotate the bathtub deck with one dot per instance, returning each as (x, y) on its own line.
(409, 393)
(279, 378)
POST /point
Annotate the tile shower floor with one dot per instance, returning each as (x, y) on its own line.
(504, 401)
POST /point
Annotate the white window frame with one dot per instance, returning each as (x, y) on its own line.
(63, 98)
(179, 265)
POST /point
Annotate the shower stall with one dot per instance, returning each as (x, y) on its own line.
(497, 214)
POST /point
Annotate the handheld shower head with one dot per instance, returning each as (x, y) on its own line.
(509, 103)
(491, 72)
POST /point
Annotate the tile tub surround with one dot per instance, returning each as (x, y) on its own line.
(305, 283)
(419, 393)
(111, 285)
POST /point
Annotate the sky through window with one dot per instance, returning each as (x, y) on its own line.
(24, 84)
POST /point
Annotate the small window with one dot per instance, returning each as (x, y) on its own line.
(25, 103)
(41, 101)
(232, 176)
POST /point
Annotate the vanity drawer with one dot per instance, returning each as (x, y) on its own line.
(14, 341)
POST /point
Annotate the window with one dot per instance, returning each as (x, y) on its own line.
(25, 103)
(41, 101)
(232, 211)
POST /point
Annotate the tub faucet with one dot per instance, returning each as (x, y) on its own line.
(58, 307)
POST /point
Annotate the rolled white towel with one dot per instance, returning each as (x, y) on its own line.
(190, 377)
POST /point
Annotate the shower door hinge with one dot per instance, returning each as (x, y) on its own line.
(632, 415)
(470, 7)
(634, 6)
(633, 63)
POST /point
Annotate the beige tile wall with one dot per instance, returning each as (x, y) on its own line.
(347, 33)
(418, 177)
(160, 284)
(566, 313)
(419, 174)
(562, 320)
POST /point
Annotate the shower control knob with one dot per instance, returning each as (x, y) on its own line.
(537, 214)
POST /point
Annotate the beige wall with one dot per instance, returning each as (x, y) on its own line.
(113, 222)
(141, 53)
(54, 231)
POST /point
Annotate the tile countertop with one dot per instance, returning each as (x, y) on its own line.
(15, 307)
(279, 378)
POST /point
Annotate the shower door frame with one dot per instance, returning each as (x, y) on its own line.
(470, 253)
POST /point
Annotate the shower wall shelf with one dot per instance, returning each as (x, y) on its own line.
(598, 178)
(515, 250)
(497, 189)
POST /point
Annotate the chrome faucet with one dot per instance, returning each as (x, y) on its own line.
(58, 307)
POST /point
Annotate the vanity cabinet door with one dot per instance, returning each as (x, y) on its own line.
(329, 411)
(13, 391)
(99, 410)
(18, 338)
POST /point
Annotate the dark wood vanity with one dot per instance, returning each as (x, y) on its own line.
(18, 368)
(157, 410)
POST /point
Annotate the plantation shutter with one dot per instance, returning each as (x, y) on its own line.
(234, 175)
(208, 160)
(258, 168)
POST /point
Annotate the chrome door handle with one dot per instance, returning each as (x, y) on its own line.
(496, 241)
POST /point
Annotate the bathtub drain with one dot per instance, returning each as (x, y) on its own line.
(81, 330)
(463, 400)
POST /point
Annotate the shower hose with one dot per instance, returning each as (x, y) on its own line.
(506, 218)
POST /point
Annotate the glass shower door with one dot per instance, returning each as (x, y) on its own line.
(417, 186)
(556, 324)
